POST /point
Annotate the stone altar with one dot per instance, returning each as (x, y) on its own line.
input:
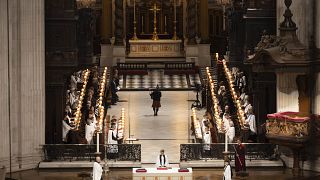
(155, 48)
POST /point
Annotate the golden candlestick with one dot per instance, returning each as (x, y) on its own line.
(134, 22)
(175, 37)
(155, 9)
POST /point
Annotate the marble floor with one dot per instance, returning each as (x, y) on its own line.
(157, 76)
(166, 131)
(198, 174)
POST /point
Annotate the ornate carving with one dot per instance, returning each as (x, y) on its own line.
(118, 23)
(191, 19)
(286, 124)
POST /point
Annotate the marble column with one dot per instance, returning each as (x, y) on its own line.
(22, 45)
(287, 92)
(204, 21)
(302, 11)
(4, 96)
(106, 19)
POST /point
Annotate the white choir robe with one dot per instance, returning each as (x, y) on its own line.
(206, 141)
(73, 82)
(161, 162)
(226, 122)
(231, 133)
(227, 172)
(97, 171)
(65, 129)
(251, 120)
(90, 132)
(113, 148)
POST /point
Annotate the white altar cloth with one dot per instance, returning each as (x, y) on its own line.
(169, 174)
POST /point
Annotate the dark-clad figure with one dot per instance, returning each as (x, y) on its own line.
(240, 161)
(156, 96)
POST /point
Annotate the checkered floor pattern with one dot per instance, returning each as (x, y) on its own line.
(154, 77)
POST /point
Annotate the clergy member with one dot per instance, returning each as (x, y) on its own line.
(240, 161)
(227, 174)
(65, 128)
(156, 96)
(207, 142)
(97, 169)
(90, 129)
(112, 142)
(251, 122)
(231, 132)
(162, 159)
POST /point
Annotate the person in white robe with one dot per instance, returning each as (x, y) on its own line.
(90, 129)
(227, 173)
(162, 159)
(74, 98)
(112, 142)
(231, 132)
(206, 143)
(97, 169)
(251, 121)
(65, 129)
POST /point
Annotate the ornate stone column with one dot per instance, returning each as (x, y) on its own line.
(119, 19)
(191, 21)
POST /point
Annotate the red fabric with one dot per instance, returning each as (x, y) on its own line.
(183, 170)
(156, 104)
(141, 170)
(240, 160)
(162, 168)
(289, 116)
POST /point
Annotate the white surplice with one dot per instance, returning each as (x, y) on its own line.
(90, 132)
(231, 133)
(97, 171)
(206, 141)
(65, 129)
(227, 172)
(162, 160)
(251, 120)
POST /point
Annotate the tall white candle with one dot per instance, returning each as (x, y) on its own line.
(98, 142)
(226, 142)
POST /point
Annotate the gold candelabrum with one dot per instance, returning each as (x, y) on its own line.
(155, 9)
(134, 22)
(175, 37)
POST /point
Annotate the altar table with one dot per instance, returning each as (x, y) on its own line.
(155, 48)
(168, 174)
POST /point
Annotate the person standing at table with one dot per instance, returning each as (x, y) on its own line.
(162, 159)
(156, 96)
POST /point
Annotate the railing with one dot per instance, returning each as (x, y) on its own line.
(254, 151)
(132, 66)
(183, 65)
(82, 152)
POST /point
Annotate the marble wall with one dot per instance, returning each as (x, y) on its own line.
(302, 15)
(287, 92)
(22, 77)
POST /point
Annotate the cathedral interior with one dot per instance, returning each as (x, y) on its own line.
(210, 82)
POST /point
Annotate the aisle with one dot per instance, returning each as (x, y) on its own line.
(166, 131)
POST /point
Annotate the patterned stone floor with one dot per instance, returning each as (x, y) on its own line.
(166, 131)
(157, 76)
